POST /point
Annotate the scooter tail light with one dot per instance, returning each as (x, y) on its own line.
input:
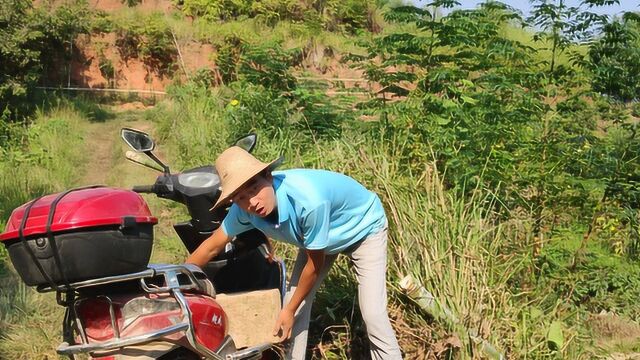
(140, 307)
(97, 318)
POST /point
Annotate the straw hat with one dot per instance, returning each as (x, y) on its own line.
(236, 167)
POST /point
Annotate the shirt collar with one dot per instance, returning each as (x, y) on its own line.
(282, 198)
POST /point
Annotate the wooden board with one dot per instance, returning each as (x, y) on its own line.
(252, 316)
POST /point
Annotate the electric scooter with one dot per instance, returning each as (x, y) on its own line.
(91, 246)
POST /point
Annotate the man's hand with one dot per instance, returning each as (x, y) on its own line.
(315, 262)
(283, 325)
(209, 248)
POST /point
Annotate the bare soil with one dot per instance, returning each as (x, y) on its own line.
(616, 334)
(94, 52)
(148, 5)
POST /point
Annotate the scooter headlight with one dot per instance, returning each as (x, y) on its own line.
(198, 179)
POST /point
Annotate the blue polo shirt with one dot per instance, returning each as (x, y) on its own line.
(317, 210)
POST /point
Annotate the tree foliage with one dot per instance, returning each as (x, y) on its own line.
(32, 40)
(614, 60)
(494, 115)
(334, 15)
(561, 25)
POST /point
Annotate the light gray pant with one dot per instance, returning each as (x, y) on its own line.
(370, 262)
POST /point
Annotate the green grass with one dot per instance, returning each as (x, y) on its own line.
(250, 30)
(47, 162)
(31, 322)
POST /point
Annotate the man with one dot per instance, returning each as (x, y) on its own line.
(324, 214)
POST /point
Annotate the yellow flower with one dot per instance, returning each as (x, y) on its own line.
(234, 102)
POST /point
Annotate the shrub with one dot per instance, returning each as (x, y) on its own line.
(149, 38)
(614, 61)
(32, 40)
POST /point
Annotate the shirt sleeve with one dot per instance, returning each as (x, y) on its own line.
(236, 222)
(315, 226)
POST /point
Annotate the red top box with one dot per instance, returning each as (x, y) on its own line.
(79, 210)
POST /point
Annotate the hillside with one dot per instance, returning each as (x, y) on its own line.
(123, 49)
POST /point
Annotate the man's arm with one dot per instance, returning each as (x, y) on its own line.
(308, 277)
(209, 248)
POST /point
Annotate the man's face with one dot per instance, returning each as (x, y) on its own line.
(257, 196)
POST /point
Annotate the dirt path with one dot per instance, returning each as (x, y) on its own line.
(106, 150)
(106, 164)
(100, 138)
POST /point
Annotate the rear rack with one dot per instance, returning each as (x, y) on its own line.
(170, 273)
(172, 285)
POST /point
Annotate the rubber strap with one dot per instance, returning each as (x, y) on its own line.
(52, 241)
(33, 256)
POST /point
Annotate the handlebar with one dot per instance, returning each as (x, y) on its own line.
(144, 189)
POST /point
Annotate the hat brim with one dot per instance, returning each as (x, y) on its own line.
(226, 197)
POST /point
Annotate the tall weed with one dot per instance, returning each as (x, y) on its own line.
(193, 123)
(449, 243)
(46, 161)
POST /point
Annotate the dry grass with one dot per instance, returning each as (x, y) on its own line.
(615, 333)
(30, 322)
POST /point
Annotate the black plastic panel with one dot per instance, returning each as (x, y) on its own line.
(85, 255)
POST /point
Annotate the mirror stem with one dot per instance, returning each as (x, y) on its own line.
(154, 158)
(139, 159)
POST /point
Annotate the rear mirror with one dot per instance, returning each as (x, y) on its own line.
(247, 142)
(137, 140)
